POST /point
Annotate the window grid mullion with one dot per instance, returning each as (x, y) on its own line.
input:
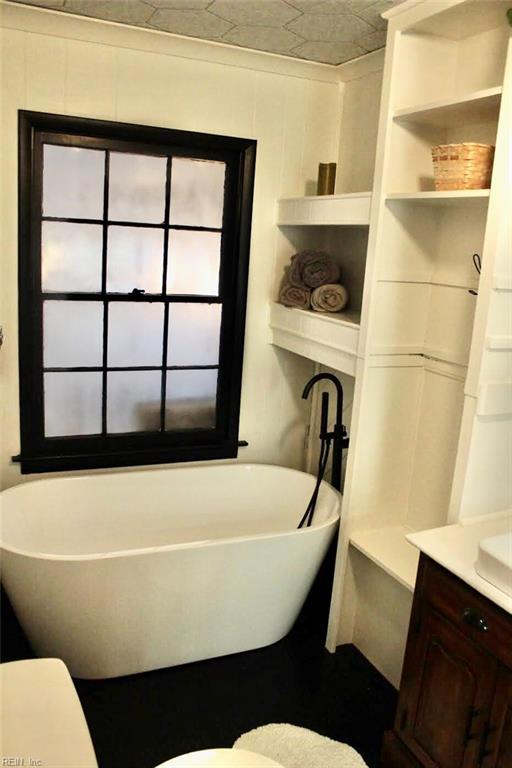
(163, 394)
(103, 291)
(142, 224)
(145, 298)
(114, 368)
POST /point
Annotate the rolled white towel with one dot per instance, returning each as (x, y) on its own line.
(293, 295)
(329, 298)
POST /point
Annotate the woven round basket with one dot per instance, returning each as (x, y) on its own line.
(462, 166)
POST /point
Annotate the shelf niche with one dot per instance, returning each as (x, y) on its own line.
(328, 338)
(444, 96)
(424, 303)
(447, 67)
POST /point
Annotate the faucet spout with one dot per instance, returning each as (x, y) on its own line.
(339, 392)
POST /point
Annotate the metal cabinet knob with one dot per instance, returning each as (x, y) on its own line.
(475, 621)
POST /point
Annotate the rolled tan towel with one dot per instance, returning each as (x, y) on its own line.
(329, 298)
(310, 269)
(293, 295)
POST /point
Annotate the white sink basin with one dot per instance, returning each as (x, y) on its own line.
(494, 561)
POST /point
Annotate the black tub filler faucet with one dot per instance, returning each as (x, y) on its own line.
(338, 437)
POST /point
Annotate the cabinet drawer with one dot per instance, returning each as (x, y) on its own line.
(486, 624)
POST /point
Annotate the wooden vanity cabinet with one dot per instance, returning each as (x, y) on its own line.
(455, 700)
(499, 736)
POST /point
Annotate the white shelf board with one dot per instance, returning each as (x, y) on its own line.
(329, 339)
(456, 197)
(352, 209)
(389, 549)
(477, 107)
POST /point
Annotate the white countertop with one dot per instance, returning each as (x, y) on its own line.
(455, 547)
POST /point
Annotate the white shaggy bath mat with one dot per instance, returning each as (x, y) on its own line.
(295, 747)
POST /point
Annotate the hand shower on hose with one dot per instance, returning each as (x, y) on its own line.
(338, 438)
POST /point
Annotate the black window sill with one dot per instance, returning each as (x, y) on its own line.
(37, 464)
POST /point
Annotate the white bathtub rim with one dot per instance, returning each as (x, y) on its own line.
(168, 547)
(332, 519)
(87, 476)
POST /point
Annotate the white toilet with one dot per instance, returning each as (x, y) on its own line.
(43, 724)
(221, 758)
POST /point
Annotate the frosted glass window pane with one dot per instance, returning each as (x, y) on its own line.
(72, 333)
(193, 262)
(135, 334)
(71, 256)
(194, 332)
(133, 401)
(135, 259)
(197, 192)
(137, 188)
(191, 399)
(72, 404)
(73, 182)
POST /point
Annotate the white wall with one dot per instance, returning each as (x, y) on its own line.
(362, 79)
(62, 64)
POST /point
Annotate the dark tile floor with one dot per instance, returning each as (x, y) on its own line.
(142, 720)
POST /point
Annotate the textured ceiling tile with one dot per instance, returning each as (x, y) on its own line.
(180, 5)
(267, 13)
(130, 11)
(328, 53)
(330, 31)
(372, 14)
(373, 41)
(273, 39)
(331, 6)
(324, 28)
(192, 23)
(356, 6)
(44, 3)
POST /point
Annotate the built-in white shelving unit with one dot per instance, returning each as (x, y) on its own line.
(324, 338)
(326, 210)
(431, 420)
(426, 337)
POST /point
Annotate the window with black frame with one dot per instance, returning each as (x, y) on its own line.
(134, 248)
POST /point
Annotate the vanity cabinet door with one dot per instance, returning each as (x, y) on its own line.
(446, 703)
(497, 748)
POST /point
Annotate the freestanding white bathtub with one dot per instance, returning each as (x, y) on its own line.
(123, 573)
